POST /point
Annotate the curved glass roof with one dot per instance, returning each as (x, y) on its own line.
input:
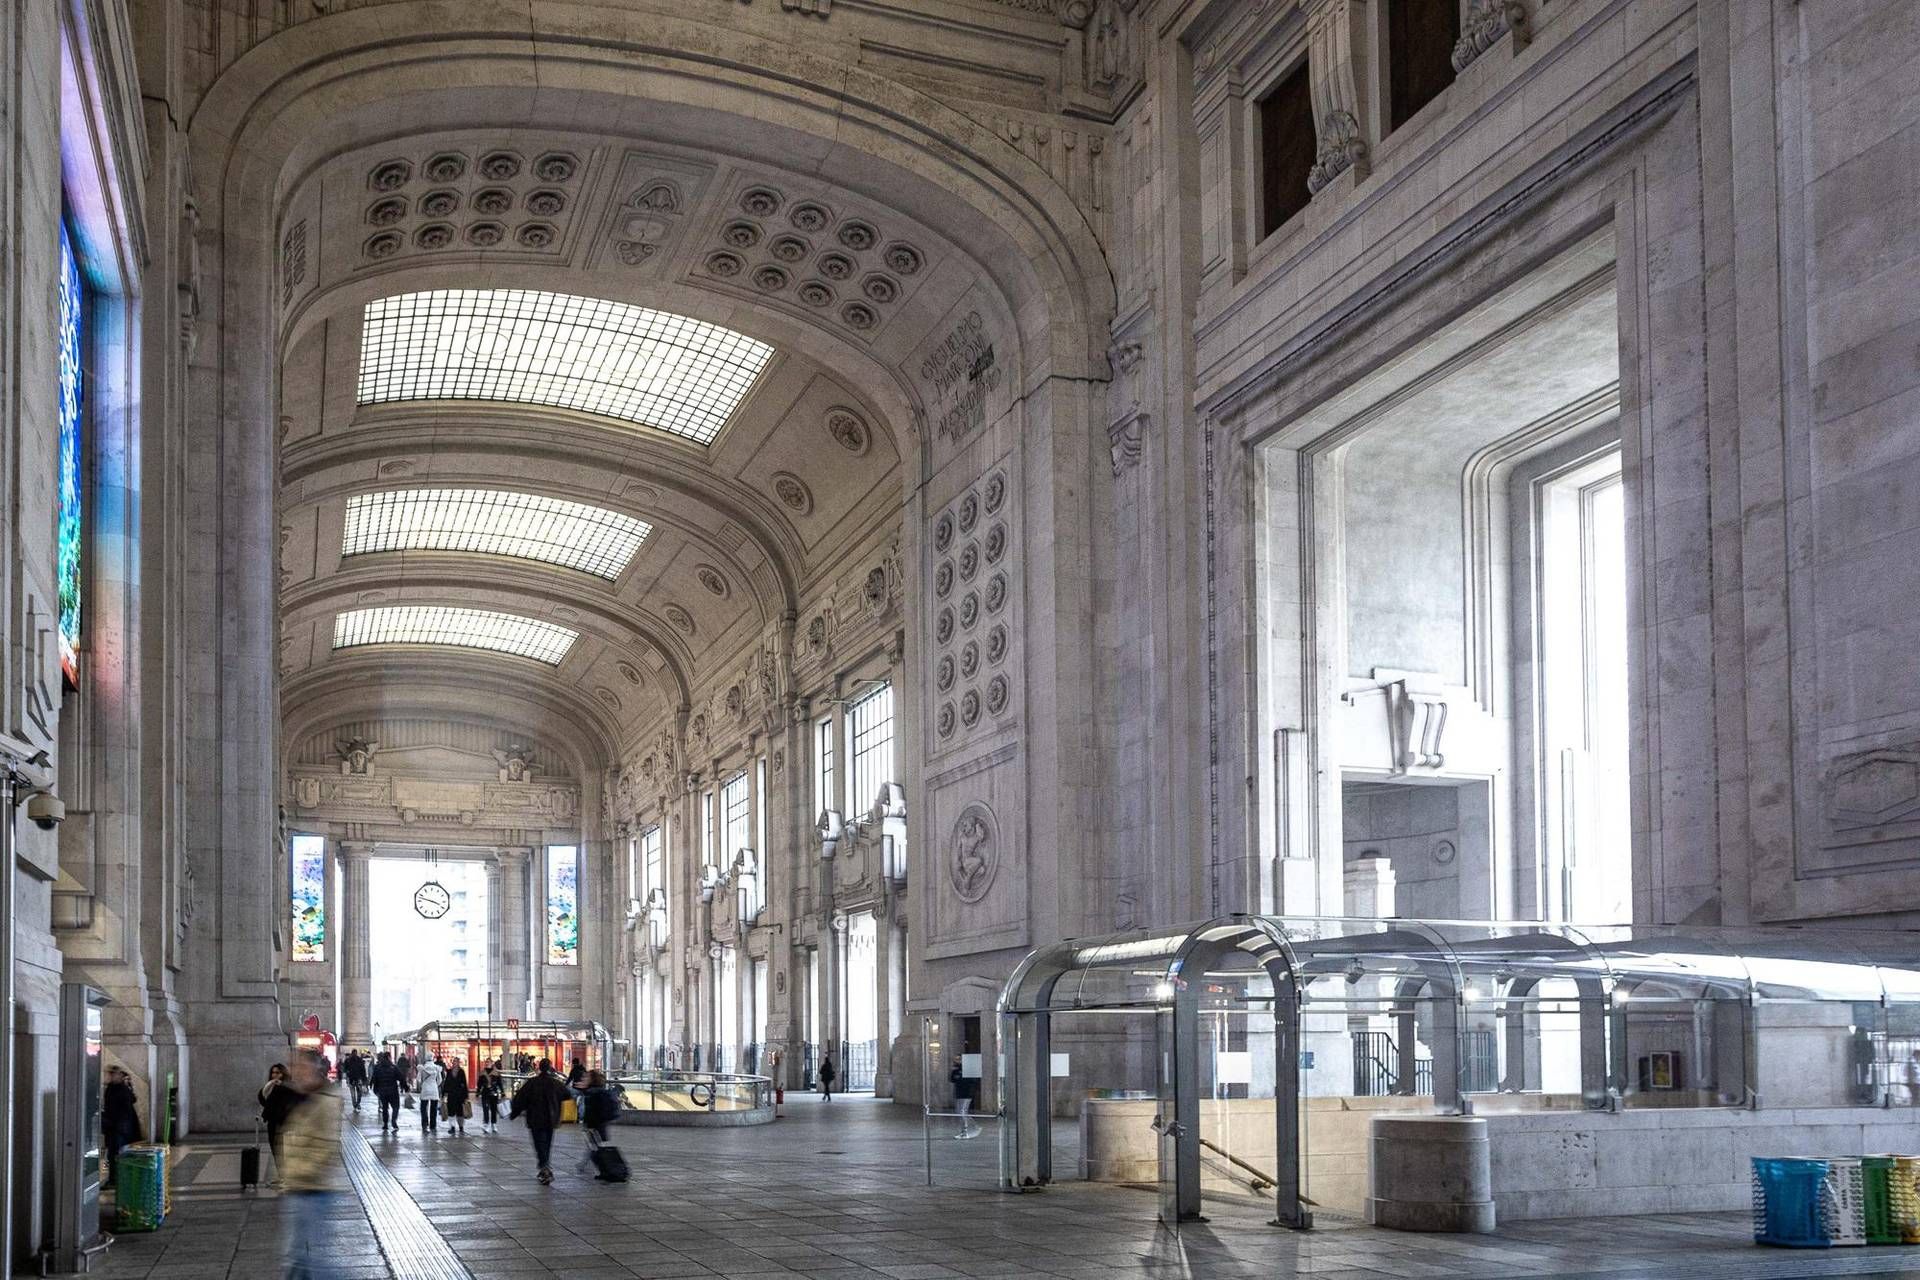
(639, 365)
(1478, 960)
(448, 625)
(493, 522)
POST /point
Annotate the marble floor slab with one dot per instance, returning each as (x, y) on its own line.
(839, 1192)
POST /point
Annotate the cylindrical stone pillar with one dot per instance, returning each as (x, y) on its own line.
(1431, 1173)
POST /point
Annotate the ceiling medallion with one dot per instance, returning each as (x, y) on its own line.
(793, 492)
(846, 427)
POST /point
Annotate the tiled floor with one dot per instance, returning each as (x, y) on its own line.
(840, 1191)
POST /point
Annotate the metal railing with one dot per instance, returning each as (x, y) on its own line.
(667, 1090)
(1378, 1064)
(859, 1061)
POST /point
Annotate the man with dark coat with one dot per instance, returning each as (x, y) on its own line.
(386, 1087)
(540, 1100)
(354, 1070)
(119, 1117)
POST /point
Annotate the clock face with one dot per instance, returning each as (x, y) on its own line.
(431, 900)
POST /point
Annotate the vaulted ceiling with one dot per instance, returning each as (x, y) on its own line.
(563, 417)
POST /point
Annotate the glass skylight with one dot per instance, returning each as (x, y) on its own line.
(633, 363)
(495, 522)
(444, 624)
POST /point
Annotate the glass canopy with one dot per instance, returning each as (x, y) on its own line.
(1332, 1020)
(653, 368)
(463, 628)
(495, 522)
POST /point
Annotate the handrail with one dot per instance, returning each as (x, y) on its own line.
(1259, 1182)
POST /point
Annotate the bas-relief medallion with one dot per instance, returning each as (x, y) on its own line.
(973, 852)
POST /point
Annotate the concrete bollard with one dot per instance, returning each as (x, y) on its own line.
(1431, 1173)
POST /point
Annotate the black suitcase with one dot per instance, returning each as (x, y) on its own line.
(250, 1163)
(611, 1164)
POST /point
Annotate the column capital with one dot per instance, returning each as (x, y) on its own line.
(355, 850)
(513, 854)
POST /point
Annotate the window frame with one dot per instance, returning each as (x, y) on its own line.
(864, 778)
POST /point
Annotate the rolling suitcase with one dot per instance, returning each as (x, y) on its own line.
(250, 1163)
(611, 1164)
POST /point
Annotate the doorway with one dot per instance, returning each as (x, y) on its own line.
(860, 1052)
(426, 969)
(1437, 836)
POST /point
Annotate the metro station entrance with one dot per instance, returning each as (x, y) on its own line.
(1170, 1061)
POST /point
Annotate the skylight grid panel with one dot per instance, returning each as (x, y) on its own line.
(670, 372)
(456, 627)
(495, 522)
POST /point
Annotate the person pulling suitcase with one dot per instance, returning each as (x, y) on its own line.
(599, 1108)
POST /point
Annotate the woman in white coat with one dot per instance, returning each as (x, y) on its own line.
(427, 1085)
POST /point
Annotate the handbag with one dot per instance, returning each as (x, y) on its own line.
(466, 1109)
(406, 1100)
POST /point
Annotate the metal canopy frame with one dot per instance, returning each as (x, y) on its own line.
(1450, 972)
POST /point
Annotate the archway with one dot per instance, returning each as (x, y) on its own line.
(925, 289)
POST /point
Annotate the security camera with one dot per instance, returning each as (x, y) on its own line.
(46, 810)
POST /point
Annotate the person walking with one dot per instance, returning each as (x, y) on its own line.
(488, 1086)
(966, 1089)
(119, 1118)
(426, 1083)
(540, 1100)
(353, 1069)
(453, 1096)
(599, 1108)
(386, 1088)
(277, 1097)
(577, 1084)
(827, 1075)
(316, 1173)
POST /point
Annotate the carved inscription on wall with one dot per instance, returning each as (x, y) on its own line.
(961, 375)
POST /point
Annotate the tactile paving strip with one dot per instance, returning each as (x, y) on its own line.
(411, 1245)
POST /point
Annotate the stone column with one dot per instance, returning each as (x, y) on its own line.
(889, 985)
(496, 942)
(833, 974)
(356, 948)
(516, 935)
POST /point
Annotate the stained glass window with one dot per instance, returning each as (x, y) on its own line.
(563, 904)
(73, 318)
(309, 898)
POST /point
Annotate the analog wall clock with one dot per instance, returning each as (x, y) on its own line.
(431, 900)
